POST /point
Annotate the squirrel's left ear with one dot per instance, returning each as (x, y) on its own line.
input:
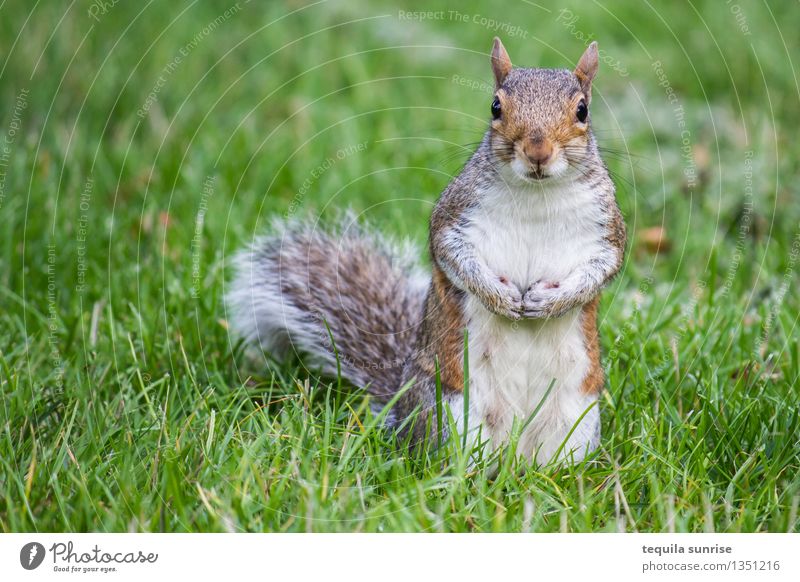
(501, 63)
(587, 69)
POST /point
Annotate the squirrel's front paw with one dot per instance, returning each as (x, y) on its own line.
(505, 299)
(541, 300)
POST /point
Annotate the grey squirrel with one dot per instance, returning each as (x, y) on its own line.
(523, 239)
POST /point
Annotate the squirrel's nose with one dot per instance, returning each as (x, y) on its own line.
(538, 151)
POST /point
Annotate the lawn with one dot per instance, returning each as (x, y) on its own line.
(142, 144)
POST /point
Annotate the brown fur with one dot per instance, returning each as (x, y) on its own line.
(593, 382)
(443, 327)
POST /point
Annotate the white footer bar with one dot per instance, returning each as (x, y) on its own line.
(401, 557)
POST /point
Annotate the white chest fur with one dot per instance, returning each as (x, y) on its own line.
(534, 234)
(526, 236)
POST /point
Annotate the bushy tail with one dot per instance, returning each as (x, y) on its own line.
(368, 291)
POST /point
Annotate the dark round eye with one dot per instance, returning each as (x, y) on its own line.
(582, 112)
(496, 108)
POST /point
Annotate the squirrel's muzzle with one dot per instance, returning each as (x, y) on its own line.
(539, 152)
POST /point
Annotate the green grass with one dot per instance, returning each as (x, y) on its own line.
(126, 406)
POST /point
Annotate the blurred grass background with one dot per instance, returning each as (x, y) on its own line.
(144, 142)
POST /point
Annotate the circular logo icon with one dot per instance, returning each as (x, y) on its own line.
(31, 555)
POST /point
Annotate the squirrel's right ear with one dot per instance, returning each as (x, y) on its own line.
(501, 62)
(587, 69)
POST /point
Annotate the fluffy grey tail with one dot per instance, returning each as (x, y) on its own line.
(368, 291)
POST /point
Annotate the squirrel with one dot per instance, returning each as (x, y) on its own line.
(522, 241)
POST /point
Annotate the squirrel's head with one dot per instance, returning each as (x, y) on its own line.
(540, 117)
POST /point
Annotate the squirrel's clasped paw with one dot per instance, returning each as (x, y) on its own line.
(506, 300)
(541, 300)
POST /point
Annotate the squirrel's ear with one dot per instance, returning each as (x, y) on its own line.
(501, 63)
(587, 68)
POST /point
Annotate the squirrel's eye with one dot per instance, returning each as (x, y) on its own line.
(496, 108)
(582, 112)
